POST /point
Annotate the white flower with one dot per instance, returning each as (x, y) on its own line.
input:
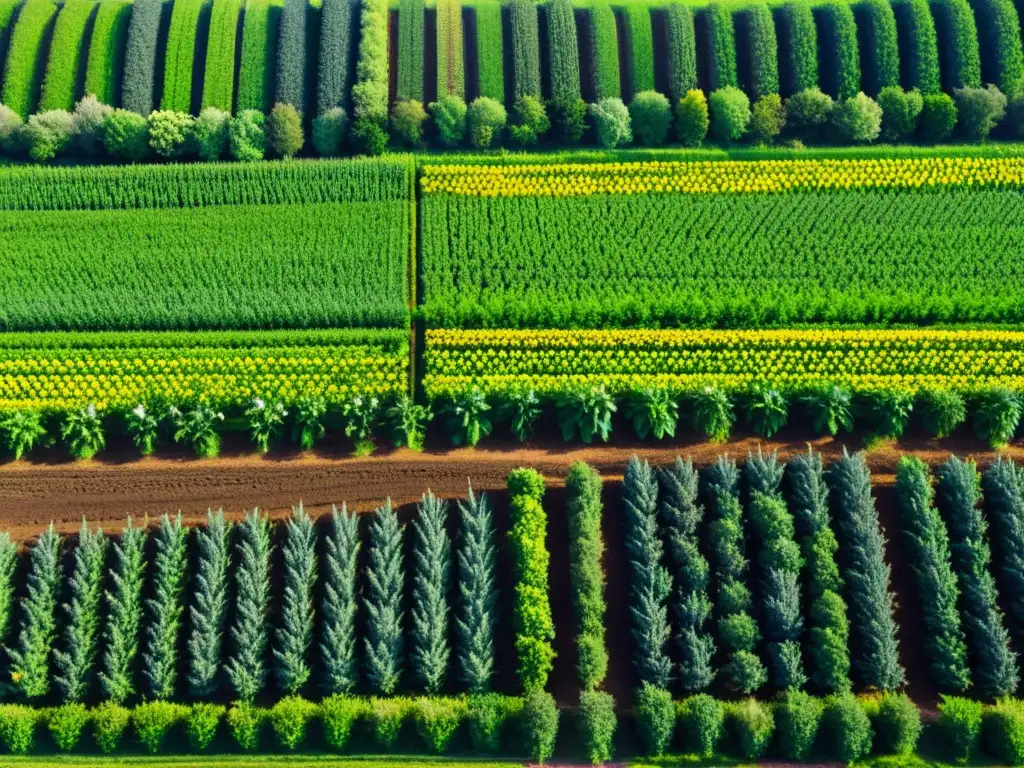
(173, 411)
(258, 404)
(220, 415)
(284, 413)
(91, 410)
(357, 401)
(140, 411)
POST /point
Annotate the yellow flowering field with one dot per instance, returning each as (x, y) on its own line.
(552, 361)
(773, 176)
(122, 375)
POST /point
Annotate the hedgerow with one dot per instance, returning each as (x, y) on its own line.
(682, 50)
(640, 43)
(525, 48)
(60, 86)
(180, 55)
(490, 50)
(209, 608)
(721, 47)
(164, 609)
(290, 86)
(334, 64)
(75, 658)
(927, 542)
(874, 646)
(1003, 489)
(476, 614)
(798, 47)
(563, 52)
(382, 602)
(993, 663)
(840, 56)
(260, 22)
(104, 67)
(681, 515)
(586, 547)
(920, 46)
(219, 72)
(881, 45)
(762, 55)
(605, 55)
(1002, 59)
(138, 88)
(534, 626)
(124, 612)
(410, 47)
(25, 57)
(432, 568)
(451, 68)
(958, 44)
(370, 92)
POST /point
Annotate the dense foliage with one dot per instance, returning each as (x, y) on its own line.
(586, 547)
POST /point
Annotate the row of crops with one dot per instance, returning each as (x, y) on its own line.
(767, 578)
(317, 57)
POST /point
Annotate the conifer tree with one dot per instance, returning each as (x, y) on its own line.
(76, 658)
(209, 609)
(383, 602)
(431, 585)
(247, 667)
(650, 583)
(295, 634)
(680, 517)
(928, 545)
(1003, 486)
(160, 660)
(875, 649)
(993, 663)
(124, 614)
(8, 566)
(30, 659)
(338, 631)
(586, 577)
(477, 594)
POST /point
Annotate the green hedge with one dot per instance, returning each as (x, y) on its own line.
(410, 48)
(8, 15)
(179, 59)
(640, 43)
(762, 51)
(682, 51)
(260, 22)
(334, 65)
(219, 72)
(920, 46)
(958, 44)
(721, 47)
(370, 93)
(137, 92)
(1002, 59)
(586, 576)
(840, 55)
(490, 50)
(105, 64)
(880, 44)
(525, 48)
(451, 66)
(290, 85)
(605, 55)
(798, 47)
(563, 51)
(63, 71)
(25, 58)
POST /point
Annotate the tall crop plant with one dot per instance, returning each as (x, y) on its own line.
(451, 68)
(30, 658)
(762, 54)
(294, 635)
(334, 68)
(476, 617)
(994, 666)
(682, 50)
(1003, 487)
(160, 660)
(432, 568)
(490, 50)
(383, 602)
(180, 54)
(681, 515)
(124, 615)
(586, 547)
(874, 646)
(525, 48)
(290, 87)
(649, 581)
(104, 66)
(260, 22)
(563, 52)
(928, 545)
(339, 603)
(21, 82)
(604, 55)
(840, 56)
(920, 44)
(209, 608)
(219, 70)
(721, 47)
(410, 48)
(75, 659)
(881, 45)
(959, 53)
(798, 48)
(247, 665)
(60, 86)
(137, 90)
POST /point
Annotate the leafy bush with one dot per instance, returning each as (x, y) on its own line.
(489, 713)
(368, 138)
(692, 121)
(66, 724)
(11, 131)
(942, 411)
(467, 418)
(858, 118)
(246, 724)
(611, 122)
(202, 724)
(290, 718)
(797, 719)
(877, 24)
(47, 134)
(752, 725)
(437, 720)
(650, 116)
(529, 121)
(540, 724)
(979, 110)
(959, 723)
(939, 116)
(170, 133)
(798, 47)
(682, 50)
(897, 724)
(702, 719)
(846, 727)
(762, 52)
(153, 721)
(655, 718)
(730, 113)
(840, 65)
(246, 137)
(126, 136)
(767, 120)
(808, 111)
(900, 110)
(449, 115)
(210, 132)
(485, 118)
(597, 725)
(721, 42)
(109, 721)
(283, 130)
(18, 728)
(1003, 731)
(569, 119)
(339, 714)
(996, 414)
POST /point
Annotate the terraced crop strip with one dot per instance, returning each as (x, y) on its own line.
(726, 244)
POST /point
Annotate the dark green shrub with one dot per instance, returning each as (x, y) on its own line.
(563, 54)
(583, 506)
(960, 725)
(1003, 731)
(525, 48)
(485, 118)
(66, 724)
(283, 130)
(798, 48)
(682, 50)
(1015, 108)
(611, 122)
(47, 134)
(885, 412)
(942, 410)
(338, 715)
(996, 414)
(762, 55)
(702, 719)
(938, 117)
(489, 714)
(692, 120)
(170, 133)
(246, 724)
(334, 62)
(597, 723)
(210, 133)
(411, 38)
(569, 119)
(881, 45)
(407, 119)
(202, 724)
(329, 130)
(1002, 58)
(11, 131)
(437, 720)
(449, 115)
(650, 115)
(797, 719)
(639, 39)
(840, 55)
(730, 113)
(655, 718)
(126, 136)
(958, 44)
(721, 47)
(979, 110)
(807, 113)
(767, 119)
(540, 724)
(109, 722)
(18, 728)
(246, 138)
(140, 57)
(752, 725)
(897, 724)
(920, 46)
(529, 121)
(858, 119)
(153, 721)
(291, 56)
(846, 727)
